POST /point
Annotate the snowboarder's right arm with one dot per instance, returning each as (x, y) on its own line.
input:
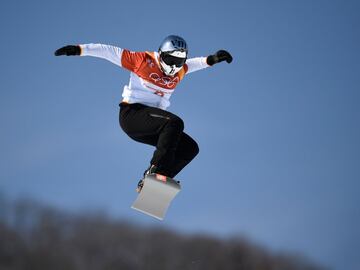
(107, 52)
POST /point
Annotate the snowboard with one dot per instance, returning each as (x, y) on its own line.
(156, 195)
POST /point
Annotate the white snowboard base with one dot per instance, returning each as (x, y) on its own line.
(156, 195)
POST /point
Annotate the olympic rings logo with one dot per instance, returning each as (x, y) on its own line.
(164, 81)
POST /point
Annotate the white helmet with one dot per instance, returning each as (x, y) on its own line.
(173, 53)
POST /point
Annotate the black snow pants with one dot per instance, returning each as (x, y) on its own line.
(162, 129)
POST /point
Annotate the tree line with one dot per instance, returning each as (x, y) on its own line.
(37, 237)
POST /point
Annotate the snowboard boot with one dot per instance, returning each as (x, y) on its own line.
(150, 170)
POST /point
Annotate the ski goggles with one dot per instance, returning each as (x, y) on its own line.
(171, 60)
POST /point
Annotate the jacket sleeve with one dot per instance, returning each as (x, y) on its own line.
(107, 52)
(195, 64)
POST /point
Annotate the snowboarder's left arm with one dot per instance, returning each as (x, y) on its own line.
(218, 57)
(195, 64)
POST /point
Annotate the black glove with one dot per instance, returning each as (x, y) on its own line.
(68, 50)
(218, 57)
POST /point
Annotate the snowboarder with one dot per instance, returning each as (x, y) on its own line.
(153, 78)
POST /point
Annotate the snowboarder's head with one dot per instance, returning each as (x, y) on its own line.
(172, 54)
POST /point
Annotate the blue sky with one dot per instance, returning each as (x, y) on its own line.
(278, 129)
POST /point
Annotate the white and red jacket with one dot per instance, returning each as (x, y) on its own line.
(148, 84)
